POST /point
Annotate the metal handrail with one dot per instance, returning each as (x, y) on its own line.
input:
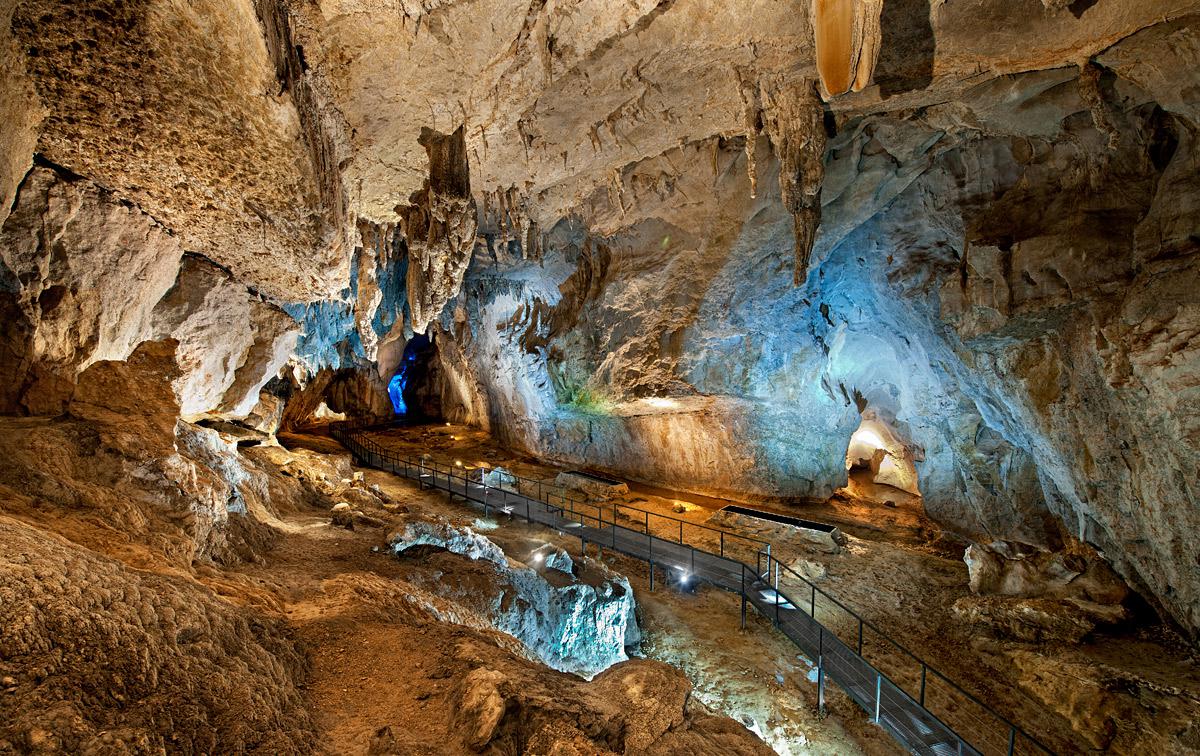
(342, 433)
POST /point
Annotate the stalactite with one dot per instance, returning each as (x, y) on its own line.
(439, 226)
(748, 91)
(1089, 92)
(533, 241)
(794, 120)
(847, 35)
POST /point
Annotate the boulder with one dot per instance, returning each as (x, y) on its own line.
(1037, 620)
(593, 486)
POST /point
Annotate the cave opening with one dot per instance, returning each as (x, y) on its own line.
(411, 388)
(879, 462)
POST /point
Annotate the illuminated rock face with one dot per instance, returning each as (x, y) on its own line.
(784, 215)
(572, 625)
(1012, 306)
(88, 278)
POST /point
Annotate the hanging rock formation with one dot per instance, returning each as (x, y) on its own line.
(439, 226)
(794, 121)
(847, 36)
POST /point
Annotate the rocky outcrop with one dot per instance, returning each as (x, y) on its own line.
(642, 707)
(230, 341)
(571, 624)
(82, 274)
(179, 110)
(1110, 708)
(182, 668)
(71, 249)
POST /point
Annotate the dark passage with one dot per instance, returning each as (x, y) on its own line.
(407, 388)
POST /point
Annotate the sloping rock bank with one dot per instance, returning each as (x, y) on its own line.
(571, 624)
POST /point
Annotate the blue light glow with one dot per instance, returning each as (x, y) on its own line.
(396, 392)
(415, 347)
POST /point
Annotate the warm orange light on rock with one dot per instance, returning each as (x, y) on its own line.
(847, 36)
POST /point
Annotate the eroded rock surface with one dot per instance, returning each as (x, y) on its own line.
(574, 625)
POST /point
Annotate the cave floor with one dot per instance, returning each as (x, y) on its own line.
(900, 573)
(755, 676)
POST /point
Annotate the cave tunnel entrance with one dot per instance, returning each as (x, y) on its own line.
(878, 462)
(412, 388)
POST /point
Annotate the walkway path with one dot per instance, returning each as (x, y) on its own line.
(902, 715)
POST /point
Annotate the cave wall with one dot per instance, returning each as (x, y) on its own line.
(593, 209)
(1006, 285)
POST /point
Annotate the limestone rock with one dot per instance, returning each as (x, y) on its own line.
(230, 342)
(1038, 620)
(847, 38)
(81, 274)
(591, 486)
(974, 283)
(134, 393)
(342, 515)
(219, 153)
(1010, 569)
(571, 624)
(231, 679)
(439, 226)
(1109, 708)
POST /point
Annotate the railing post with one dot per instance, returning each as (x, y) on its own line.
(647, 526)
(860, 626)
(1012, 739)
(878, 690)
(651, 575)
(722, 543)
(821, 670)
(812, 606)
(743, 597)
(777, 595)
(924, 669)
(681, 532)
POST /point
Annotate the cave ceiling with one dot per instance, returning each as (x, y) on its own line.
(261, 132)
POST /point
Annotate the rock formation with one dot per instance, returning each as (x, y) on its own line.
(690, 243)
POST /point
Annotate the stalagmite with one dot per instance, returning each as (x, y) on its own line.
(794, 121)
(847, 35)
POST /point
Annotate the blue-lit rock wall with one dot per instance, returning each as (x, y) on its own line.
(1003, 285)
(573, 625)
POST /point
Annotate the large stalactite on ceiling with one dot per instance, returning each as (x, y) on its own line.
(794, 120)
(440, 227)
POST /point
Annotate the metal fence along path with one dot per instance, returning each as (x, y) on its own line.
(745, 566)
